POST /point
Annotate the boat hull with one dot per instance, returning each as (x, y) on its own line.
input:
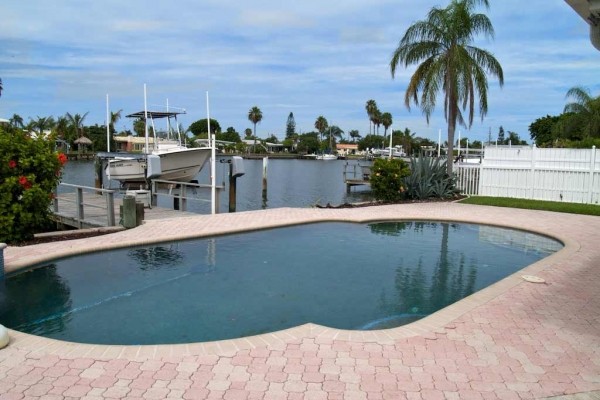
(176, 165)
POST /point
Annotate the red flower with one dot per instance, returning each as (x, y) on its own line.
(12, 164)
(62, 158)
(24, 182)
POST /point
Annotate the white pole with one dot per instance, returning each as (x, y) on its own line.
(107, 127)
(458, 143)
(168, 122)
(146, 121)
(467, 148)
(213, 164)
(391, 136)
(439, 142)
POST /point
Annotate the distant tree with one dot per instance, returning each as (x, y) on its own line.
(386, 121)
(230, 135)
(272, 139)
(255, 116)
(248, 133)
(290, 130)
(76, 122)
(114, 118)
(371, 107)
(308, 143)
(405, 138)
(354, 134)
(139, 127)
(40, 124)
(200, 127)
(334, 132)
(376, 118)
(371, 142)
(540, 130)
(515, 140)
(321, 125)
(62, 129)
(586, 113)
(16, 121)
(442, 44)
(501, 135)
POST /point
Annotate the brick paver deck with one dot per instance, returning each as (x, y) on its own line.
(513, 340)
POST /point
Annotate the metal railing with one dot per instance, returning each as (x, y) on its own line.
(179, 191)
(78, 203)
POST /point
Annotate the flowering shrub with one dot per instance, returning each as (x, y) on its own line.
(387, 179)
(30, 170)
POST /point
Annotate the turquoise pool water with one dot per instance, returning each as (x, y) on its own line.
(342, 275)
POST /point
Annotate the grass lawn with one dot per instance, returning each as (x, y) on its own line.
(573, 208)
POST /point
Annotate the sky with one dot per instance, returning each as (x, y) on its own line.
(310, 58)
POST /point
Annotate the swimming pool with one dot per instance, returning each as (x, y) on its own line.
(342, 275)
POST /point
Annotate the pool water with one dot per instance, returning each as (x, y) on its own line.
(341, 275)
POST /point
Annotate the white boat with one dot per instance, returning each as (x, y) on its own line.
(326, 157)
(397, 152)
(165, 159)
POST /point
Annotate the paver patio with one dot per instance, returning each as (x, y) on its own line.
(512, 340)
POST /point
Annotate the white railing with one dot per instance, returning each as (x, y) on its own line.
(569, 175)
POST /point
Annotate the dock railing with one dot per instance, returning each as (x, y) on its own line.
(71, 201)
(182, 192)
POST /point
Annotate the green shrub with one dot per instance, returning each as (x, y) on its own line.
(386, 179)
(428, 178)
(30, 170)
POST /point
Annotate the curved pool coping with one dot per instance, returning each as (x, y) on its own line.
(545, 223)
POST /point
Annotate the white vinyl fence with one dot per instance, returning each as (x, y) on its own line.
(569, 175)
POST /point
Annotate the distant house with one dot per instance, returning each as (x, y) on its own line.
(346, 149)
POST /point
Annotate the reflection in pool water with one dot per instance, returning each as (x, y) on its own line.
(342, 275)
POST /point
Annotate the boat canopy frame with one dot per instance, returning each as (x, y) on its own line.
(144, 115)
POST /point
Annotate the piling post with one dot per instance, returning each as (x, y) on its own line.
(129, 212)
(264, 177)
(98, 174)
(232, 189)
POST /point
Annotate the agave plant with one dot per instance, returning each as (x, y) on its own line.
(428, 179)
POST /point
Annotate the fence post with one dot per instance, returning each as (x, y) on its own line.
(531, 191)
(592, 171)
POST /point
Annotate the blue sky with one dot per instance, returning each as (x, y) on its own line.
(311, 58)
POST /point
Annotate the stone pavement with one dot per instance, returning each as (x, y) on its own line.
(512, 340)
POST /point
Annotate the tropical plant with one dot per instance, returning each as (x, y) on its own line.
(429, 178)
(76, 122)
(30, 170)
(354, 134)
(376, 118)
(386, 121)
(255, 116)
(40, 125)
(114, 118)
(16, 121)
(200, 128)
(449, 63)
(405, 138)
(586, 112)
(321, 125)
(371, 107)
(386, 179)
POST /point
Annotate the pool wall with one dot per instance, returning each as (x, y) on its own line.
(151, 232)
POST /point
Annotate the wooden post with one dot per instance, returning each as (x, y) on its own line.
(129, 212)
(232, 189)
(80, 214)
(98, 173)
(110, 208)
(264, 178)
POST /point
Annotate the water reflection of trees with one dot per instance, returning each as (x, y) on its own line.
(35, 301)
(157, 257)
(452, 278)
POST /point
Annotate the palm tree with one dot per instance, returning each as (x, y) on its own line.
(321, 125)
(114, 118)
(386, 121)
(448, 63)
(406, 139)
(16, 121)
(586, 109)
(255, 116)
(376, 118)
(354, 134)
(40, 124)
(76, 122)
(371, 107)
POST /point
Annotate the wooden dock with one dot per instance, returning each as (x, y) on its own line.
(86, 207)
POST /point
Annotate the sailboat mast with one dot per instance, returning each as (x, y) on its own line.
(146, 121)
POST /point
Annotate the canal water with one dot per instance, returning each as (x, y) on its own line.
(290, 183)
